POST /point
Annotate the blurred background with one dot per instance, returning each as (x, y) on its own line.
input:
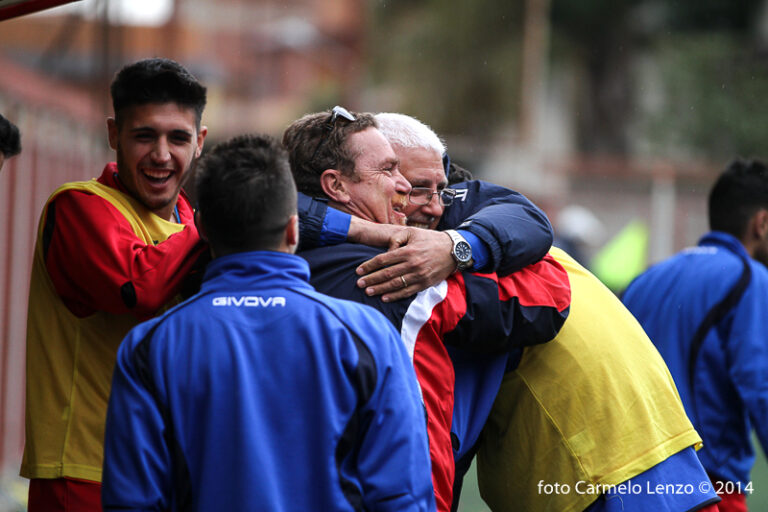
(613, 115)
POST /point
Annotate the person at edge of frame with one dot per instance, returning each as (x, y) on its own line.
(10, 140)
(706, 310)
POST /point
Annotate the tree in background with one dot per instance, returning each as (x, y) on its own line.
(457, 65)
(453, 63)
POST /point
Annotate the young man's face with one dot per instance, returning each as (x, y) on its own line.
(423, 167)
(381, 193)
(156, 144)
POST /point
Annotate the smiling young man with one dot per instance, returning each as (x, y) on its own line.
(111, 252)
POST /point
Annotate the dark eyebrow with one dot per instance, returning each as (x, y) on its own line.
(142, 129)
(176, 133)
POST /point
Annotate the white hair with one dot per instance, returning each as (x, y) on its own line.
(408, 132)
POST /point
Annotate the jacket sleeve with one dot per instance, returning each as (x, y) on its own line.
(501, 314)
(97, 263)
(516, 231)
(393, 460)
(137, 471)
(747, 353)
(319, 224)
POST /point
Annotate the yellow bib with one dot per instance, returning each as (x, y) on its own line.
(596, 405)
(70, 359)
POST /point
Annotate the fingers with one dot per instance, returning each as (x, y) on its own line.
(385, 259)
(396, 288)
(399, 240)
(417, 259)
(386, 280)
(400, 294)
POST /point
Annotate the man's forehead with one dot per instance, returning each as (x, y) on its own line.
(422, 167)
(166, 115)
(372, 147)
(421, 178)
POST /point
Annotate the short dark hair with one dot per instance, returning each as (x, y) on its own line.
(739, 192)
(245, 194)
(314, 146)
(157, 80)
(10, 138)
(458, 174)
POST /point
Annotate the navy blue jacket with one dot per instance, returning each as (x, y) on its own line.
(723, 382)
(259, 393)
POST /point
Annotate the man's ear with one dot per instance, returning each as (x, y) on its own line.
(292, 234)
(334, 186)
(112, 132)
(200, 139)
(199, 226)
(761, 224)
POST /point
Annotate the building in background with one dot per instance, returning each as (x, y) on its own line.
(265, 63)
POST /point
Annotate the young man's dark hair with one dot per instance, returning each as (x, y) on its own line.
(246, 194)
(738, 193)
(10, 139)
(316, 142)
(157, 80)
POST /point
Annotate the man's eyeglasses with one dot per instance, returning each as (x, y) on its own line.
(336, 113)
(423, 196)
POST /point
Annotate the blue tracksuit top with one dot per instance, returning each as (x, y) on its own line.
(727, 394)
(259, 393)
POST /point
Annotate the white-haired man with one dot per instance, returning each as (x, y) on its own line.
(596, 406)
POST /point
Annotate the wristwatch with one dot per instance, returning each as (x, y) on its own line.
(461, 251)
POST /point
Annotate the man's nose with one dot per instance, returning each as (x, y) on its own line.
(402, 185)
(161, 151)
(433, 208)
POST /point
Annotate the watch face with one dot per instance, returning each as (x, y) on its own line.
(463, 252)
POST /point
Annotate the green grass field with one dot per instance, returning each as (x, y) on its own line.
(757, 502)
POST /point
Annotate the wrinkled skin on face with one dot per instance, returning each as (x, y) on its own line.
(423, 167)
(378, 192)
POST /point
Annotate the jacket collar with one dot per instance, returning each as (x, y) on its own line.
(256, 270)
(725, 240)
